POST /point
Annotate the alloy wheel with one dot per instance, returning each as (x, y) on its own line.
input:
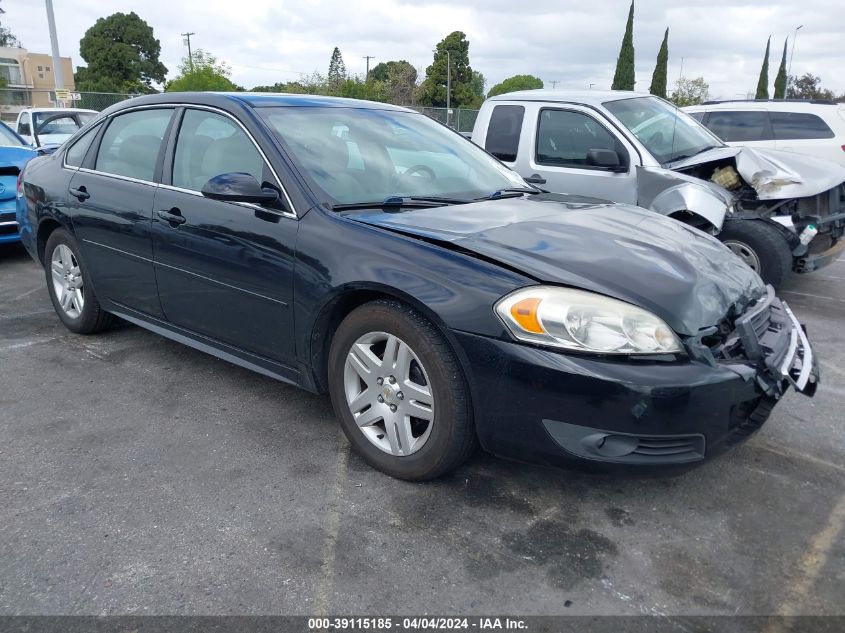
(67, 281)
(388, 393)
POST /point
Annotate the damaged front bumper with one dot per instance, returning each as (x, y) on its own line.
(775, 340)
(545, 406)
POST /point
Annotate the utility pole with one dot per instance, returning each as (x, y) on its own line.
(54, 46)
(554, 83)
(367, 76)
(187, 41)
(789, 69)
(448, 85)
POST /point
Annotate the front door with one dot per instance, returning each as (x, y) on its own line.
(224, 270)
(558, 152)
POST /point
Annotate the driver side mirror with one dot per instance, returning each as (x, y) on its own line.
(238, 187)
(606, 159)
(24, 129)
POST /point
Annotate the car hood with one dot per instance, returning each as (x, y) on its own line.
(683, 275)
(775, 175)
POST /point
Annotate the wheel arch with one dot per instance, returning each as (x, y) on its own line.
(45, 229)
(344, 301)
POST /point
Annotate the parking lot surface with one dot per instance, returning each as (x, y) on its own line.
(138, 476)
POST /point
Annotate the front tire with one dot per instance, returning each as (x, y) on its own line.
(761, 246)
(70, 286)
(399, 392)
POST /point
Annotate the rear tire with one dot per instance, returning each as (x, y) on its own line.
(399, 392)
(761, 246)
(70, 288)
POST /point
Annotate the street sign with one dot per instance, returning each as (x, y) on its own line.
(62, 95)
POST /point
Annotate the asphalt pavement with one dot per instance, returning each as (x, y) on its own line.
(138, 476)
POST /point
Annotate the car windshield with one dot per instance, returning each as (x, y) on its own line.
(8, 138)
(357, 155)
(666, 132)
(59, 124)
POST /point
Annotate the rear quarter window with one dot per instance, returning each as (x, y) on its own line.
(798, 125)
(503, 132)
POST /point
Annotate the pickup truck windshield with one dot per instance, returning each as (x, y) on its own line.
(666, 132)
(356, 155)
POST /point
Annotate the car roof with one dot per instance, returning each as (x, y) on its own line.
(783, 105)
(588, 97)
(256, 100)
(58, 110)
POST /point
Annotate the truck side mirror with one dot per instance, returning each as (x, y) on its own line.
(606, 159)
(24, 129)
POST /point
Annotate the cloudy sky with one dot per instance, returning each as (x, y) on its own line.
(572, 42)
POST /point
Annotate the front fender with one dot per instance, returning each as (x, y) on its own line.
(668, 192)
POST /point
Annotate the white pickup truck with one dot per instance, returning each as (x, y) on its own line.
(44, 127)
(777, 211)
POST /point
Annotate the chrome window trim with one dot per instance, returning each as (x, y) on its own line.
(249, 205)
(65, 151)
(95, 172)
(292, 213)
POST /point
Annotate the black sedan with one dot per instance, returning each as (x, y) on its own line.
(366, 251)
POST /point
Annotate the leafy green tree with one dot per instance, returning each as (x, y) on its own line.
(381, 71)
(122, 56)
(658, 79)
(690, 92)
(432, 91)
(780, 80)
(808, 86)
(623, 78)
(763, 81)
(7, 38)
(337, 69)
(517, 82)
(205, 73)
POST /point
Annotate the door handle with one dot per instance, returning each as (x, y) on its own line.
(174, 216)
(535, 179)
(80, 193)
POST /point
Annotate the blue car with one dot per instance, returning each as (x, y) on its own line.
(365, 251)
(14, 154)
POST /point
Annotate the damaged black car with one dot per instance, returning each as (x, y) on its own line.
(365, 251)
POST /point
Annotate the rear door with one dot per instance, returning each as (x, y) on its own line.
(555, 143)
(112, 198)
(224, 270)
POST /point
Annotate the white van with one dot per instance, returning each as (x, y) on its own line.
(815, 128)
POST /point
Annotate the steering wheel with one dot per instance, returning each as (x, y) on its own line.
(413, 169)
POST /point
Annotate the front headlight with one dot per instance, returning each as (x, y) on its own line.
(585, 321)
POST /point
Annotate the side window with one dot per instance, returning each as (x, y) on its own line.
(698, 116)
(564, 138)
(503, 131)
(76, 152)
(131, 143)
(798, 125)
(210, 144)
(739, 126)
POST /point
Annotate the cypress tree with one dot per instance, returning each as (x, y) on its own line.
(780, 80)
(658, 79)
(337, 69)
(763, 81)
(623, 78)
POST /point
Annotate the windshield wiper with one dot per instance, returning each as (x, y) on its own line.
(511, 192)
(400, 202)
(685, 156)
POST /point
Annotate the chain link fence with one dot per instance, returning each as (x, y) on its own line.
(13, 100)
(460, 119)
